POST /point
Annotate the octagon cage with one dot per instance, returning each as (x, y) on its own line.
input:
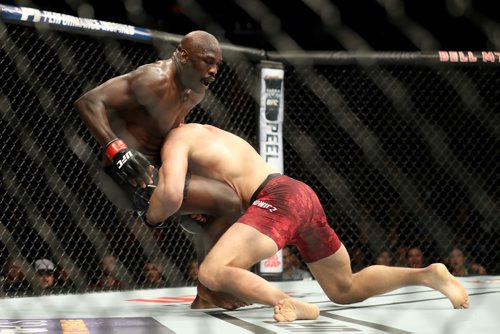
(401, 148)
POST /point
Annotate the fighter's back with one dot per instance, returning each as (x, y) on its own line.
(223, 156)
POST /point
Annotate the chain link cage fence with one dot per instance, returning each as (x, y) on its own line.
(402, 152)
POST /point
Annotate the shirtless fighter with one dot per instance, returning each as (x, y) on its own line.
(130, 116)
(279, 211)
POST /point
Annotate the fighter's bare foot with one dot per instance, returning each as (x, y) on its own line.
(290, 309)
(443, 281)
(200, 303)
(218, 299)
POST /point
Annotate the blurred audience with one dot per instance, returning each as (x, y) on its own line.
(358, 259)
(192, 271)
(415, 258)
(401, 259)
(152, 276)
(459, 265)
(63, 279)
(383, 258)
(44, 281)
(50, 278)
(107, 279)
(291, 266)
(14, 282)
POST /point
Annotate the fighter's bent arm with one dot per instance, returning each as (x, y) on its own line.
(168, 196)
(94, 105)
(124, 92)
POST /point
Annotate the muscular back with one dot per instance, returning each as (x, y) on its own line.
(220, 155)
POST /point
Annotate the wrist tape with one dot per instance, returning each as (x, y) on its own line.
(114, 147)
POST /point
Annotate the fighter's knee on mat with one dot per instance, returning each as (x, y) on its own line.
(342, 293)
(209, 276)
(340, 298)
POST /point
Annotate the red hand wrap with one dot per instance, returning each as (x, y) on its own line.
(115, 147)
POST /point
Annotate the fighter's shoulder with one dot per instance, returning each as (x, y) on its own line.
(159, 70)
(185, 135)
(190, 131)
(190, 127)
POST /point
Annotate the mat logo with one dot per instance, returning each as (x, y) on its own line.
(315, 327)
(485, 281)
(165, 300)
(23, 326)
(83, 326)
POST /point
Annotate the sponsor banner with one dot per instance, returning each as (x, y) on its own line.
(84, 326)
(272, 265)
(271, 135)
(35, 16)
(271, 115)
(469, 56)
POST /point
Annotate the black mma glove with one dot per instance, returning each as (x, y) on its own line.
(131, 163)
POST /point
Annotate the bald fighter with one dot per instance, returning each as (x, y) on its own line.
(130, 116)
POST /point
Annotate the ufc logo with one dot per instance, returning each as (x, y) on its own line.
(272, 102)
(124, 159)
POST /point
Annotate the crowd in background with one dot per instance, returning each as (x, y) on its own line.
(401, 247)
(50, 279)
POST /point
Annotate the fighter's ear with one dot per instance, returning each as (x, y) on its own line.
(183, 56)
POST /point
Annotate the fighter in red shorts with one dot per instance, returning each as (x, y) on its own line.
(279, 210)
(289, 212)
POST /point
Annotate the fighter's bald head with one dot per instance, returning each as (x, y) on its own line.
(199, 41)
(197, 60)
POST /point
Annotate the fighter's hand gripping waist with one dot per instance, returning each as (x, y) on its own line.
(129, 162)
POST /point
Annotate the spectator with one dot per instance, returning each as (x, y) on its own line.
(44, 281)
(192, 270)
(291, 267)
(107, 279)
(358, 259)
(392, 238)
(14, 283)
(401, 256)
(152, 273)
(415, 258)
(459, 266)
(63, 279)
(384, 258)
